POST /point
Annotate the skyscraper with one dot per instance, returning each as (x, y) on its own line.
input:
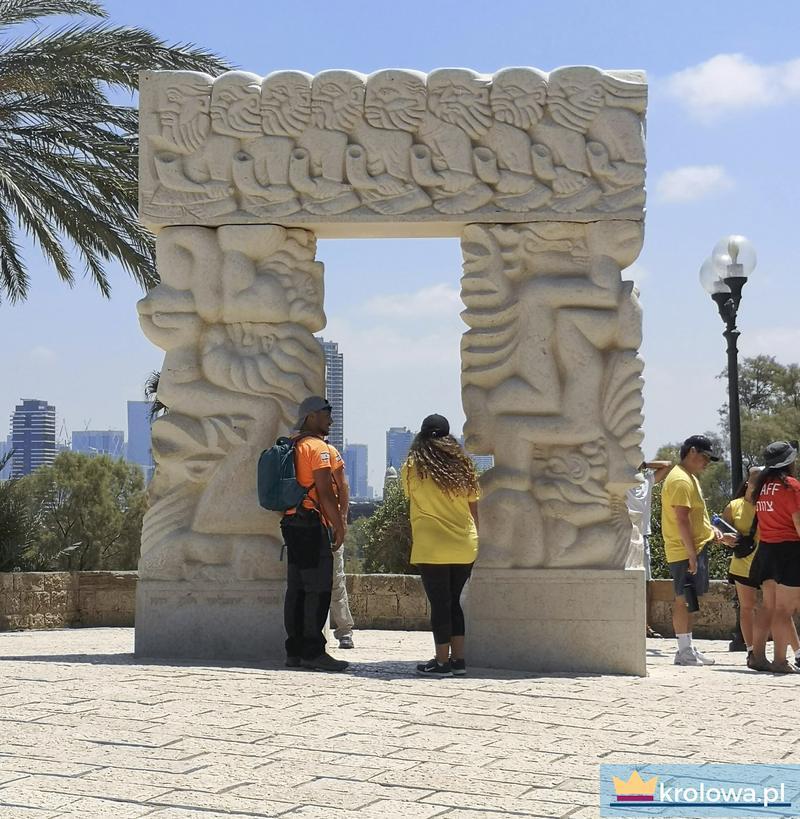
(33, 436)
(99, 442)
(398, 442)
(334, 389)
(355, 466)
(139, 451)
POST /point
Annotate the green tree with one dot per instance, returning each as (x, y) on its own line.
(387, 546)
(89, 513)
(355, 544)
(769, 399)
(15, 524)
(68, 154)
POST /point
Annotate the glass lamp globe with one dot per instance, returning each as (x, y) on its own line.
(709, 278)
(734, 256)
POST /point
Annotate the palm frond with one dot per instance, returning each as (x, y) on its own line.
(68, 155)
(14, 12)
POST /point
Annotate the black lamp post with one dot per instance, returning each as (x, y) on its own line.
(724, 276)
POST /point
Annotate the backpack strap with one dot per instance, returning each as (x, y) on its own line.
(308, 489)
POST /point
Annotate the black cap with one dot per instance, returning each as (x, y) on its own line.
(778, 454)
(701, 443)
(435, 426)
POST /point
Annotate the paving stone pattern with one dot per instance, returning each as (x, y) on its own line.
(87, 730)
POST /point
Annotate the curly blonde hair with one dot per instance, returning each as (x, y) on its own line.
(444, 461)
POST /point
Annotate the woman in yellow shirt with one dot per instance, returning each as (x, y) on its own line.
(441, 484)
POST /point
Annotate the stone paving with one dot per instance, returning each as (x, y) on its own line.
(88, 730)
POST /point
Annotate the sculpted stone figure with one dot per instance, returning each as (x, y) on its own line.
(378, 159)
(317, 166)
(276, 111)
(191, 163)
(442, 161)
(551, 386)
(608, 111)
(235, 312)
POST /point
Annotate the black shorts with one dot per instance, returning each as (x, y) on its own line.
(777, 561)
(745, 581)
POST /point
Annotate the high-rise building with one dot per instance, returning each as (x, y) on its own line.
(139, 451)
(355, 466)
(33, 436)
(334, 389)
(5, 449)
(99, 442)
(398, 442)
(482, 462)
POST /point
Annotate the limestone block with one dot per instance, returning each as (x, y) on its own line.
(210, 620)
(551, 386)
(579, 620)
(411, 605)
(393, 153)
(382, 605)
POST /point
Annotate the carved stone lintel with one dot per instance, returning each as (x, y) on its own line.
(552, 388)
(397, 150)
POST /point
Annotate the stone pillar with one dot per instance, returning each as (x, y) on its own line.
(552, 388)
(235, 313)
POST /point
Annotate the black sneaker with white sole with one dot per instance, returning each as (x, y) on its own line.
(459, 667)
(434, 669)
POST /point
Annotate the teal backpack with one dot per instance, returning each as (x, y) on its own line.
(278, 489)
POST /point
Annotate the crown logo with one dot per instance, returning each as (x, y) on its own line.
(635, 789)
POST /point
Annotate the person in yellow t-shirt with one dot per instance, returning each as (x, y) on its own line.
(441, 484)
(687, 533)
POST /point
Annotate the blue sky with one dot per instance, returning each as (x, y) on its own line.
(723, 117)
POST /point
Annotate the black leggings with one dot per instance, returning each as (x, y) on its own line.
(443, 584)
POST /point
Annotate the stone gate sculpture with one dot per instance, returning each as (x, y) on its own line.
(542, 177)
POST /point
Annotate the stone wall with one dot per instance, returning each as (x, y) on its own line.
(388, 601)
(33, 600)
(38, 600)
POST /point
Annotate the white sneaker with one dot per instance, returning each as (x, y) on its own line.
(687, 656)
(704, 658)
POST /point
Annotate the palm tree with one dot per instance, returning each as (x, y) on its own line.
(68, 154)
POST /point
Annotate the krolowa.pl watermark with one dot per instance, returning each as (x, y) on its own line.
(708, 790)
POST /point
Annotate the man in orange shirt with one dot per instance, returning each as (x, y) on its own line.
(312, 532)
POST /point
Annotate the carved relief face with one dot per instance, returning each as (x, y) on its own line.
(461, 98)
(286, 103)
(518, 97)
(575, 95)
(235, 104)
(337, 100)
(396, 99)
(182, 109)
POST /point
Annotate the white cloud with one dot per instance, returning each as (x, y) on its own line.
(42, 355)
(729, 83)
(430, 302)
(693, 182)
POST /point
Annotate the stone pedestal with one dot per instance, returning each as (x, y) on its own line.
(581, 620)
(207, 620)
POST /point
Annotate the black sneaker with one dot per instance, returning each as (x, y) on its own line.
(292, 662)
(324, 663)
(433, 669)
(459, 667)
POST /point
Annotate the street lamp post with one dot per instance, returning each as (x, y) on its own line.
(724, 275)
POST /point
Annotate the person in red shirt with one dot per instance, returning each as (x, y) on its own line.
(777, 563)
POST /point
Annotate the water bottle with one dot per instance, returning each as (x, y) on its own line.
(723, 524)
(690, 594)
